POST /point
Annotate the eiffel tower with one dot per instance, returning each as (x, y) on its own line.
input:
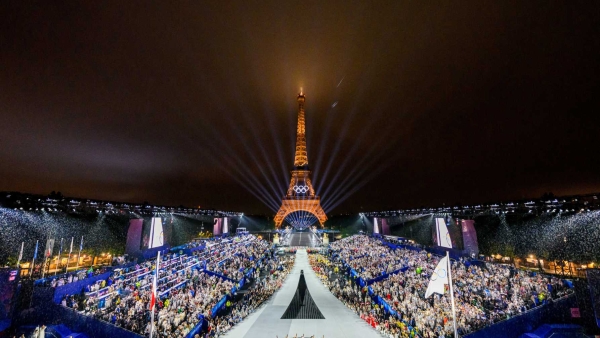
(301, 194)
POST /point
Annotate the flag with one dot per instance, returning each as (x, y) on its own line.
(49, 247)
(438, 279)
(443, 236)
(71, 249)
(154, 286)
(153, 299)
(36, 250)
(21, 253)
(61, 246)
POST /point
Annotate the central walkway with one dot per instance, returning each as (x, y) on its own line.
(339, 322)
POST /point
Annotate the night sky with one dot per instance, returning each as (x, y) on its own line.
(194, 103)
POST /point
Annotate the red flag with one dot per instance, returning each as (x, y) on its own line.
(153, 299)
(154, 287)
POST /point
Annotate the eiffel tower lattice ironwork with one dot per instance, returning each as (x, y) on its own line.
(301, 194)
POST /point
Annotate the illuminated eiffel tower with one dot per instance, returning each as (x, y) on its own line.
(301, 194)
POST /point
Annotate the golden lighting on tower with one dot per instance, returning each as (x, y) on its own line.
(301, 194)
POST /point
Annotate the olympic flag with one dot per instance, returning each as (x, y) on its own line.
(439, 278)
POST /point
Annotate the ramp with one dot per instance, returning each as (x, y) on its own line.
(302, 305)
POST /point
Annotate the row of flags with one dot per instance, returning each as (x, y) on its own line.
(50, 247)
(48, 251)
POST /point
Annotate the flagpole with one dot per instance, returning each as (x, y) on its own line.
(154, 291)
(44, 266)
(79, 254)
(45, 260)
(451, 293)
(34, 257)
(59, 254)
(69, 259)
(20, 255)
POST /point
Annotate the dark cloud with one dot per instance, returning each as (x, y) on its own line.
(194, 103)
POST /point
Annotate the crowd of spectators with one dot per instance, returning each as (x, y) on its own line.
(357, 299)
(233, 259)
(483, 294)
(186, 293)
(71, 277)
(269, 277)
(368, 256)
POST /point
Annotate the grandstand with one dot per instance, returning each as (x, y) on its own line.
(239, 284)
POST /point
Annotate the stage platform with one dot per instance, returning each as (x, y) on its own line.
(307, 239)
(339, 322)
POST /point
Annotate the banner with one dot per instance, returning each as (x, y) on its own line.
(469, 237)
(134, 236)
(157, 236)
(225, 225)
(217, 226)
(443, 236)
(375, 226)
(385, 228)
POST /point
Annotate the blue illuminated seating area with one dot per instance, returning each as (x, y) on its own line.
(192, 288)
(396, 277)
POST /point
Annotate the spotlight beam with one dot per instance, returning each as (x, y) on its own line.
(342, 189)
(355, 173)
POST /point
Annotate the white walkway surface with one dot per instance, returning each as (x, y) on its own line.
(339, 322)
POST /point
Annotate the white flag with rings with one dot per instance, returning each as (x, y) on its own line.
(439, 278)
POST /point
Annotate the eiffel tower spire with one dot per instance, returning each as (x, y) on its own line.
(301, 157)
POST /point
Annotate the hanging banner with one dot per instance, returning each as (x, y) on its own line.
(385, 228)
(443, 236)
(217, 226)
(225, 225)
(469, 237)
(134, 237)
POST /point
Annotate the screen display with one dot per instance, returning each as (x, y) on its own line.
(217, 226)
(157, 235)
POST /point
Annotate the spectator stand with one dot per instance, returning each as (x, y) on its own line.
(518, 317)
(149, 253)
(172, 267)
(200, 327)
(241, 255)
(189, 248)
(376, 298)
(221, 304)
(556, 312)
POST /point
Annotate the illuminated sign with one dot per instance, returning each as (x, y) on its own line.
(301, 189)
